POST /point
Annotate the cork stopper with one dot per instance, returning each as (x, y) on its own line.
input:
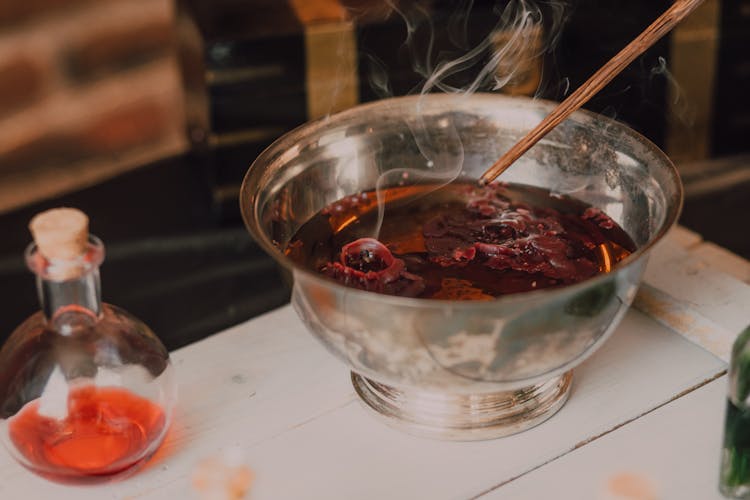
(60, 233)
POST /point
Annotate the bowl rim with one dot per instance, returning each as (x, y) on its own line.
(249, 201)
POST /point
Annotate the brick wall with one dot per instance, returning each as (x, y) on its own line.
(88, 89)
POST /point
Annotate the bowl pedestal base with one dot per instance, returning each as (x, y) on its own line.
(464, 417)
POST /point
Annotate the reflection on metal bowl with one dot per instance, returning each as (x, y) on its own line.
(451, 369)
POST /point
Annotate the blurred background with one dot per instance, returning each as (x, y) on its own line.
(147, 113)
(88, 89)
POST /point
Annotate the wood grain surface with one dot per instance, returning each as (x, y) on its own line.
(267, 392)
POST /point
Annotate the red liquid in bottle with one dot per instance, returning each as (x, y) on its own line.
(106, 431)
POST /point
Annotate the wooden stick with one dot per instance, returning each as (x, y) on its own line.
(663, 25)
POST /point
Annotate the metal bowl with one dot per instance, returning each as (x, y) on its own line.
(456, 369)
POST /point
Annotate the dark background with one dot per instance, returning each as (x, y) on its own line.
(178, 255)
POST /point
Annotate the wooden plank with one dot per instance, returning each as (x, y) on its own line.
(686, 293)
(268, 389)
(684, 237)
(697, 282)
(332, 81)
(694, 44)
(680, 317)
(721, 259)
(319, 11)
(670, 453)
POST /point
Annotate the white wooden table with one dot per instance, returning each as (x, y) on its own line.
(645, 415)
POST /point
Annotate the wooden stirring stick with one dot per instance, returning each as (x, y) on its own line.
(663, 25)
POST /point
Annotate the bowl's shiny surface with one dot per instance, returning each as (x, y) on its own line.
(461, 347)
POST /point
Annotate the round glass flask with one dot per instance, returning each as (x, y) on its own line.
(86, 390)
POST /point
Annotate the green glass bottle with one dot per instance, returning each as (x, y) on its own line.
(735, 457)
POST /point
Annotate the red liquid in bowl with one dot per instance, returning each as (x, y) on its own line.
(459, 241)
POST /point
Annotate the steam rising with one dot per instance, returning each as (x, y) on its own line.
(492, 64)
(378, 77)
(519, 26)
(680, 109)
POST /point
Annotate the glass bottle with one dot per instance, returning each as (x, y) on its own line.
(86, 390)
(734, 479)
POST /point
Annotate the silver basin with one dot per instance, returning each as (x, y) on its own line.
(462, 370)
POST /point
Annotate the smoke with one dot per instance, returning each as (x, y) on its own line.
(457, 60)
(680, 109)
(564, 87)
(507, 46)
(523, 30)
(415, 16)
(378, 76)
